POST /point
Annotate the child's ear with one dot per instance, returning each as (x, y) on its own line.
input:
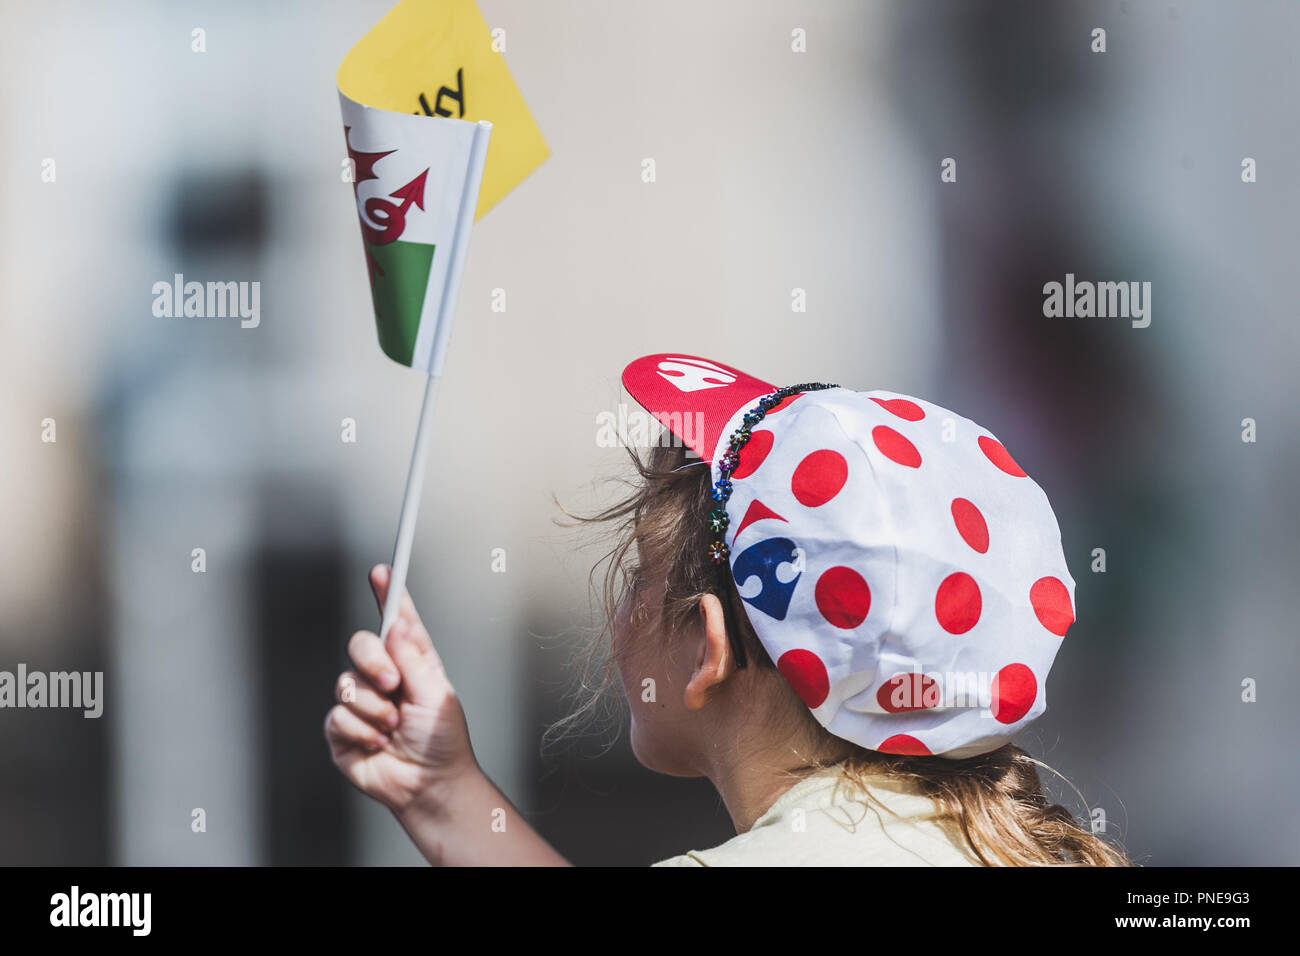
(714, 662)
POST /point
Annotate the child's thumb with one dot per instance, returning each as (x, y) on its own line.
(423, 680)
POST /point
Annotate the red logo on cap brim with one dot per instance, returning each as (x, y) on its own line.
(692, 397)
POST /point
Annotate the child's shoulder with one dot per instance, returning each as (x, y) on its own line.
(817, 823)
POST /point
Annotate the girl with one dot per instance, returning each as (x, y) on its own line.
(843, 607)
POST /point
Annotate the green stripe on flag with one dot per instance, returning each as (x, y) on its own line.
(399, 278)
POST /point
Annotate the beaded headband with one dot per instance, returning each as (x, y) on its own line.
(730, 460)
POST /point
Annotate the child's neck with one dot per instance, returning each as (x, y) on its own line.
(750, 784)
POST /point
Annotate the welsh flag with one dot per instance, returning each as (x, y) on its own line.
(436, 132)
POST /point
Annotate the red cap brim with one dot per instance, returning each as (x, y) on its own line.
(692, 397)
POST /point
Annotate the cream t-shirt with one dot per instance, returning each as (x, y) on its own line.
(808, 826)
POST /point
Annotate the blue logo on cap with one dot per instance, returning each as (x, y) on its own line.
(766, 574)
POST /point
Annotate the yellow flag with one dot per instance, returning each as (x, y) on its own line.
(436, 58)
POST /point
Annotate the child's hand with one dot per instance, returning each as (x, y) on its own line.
(399, 730)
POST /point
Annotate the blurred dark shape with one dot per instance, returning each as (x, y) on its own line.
(214, 211)
(56, 807)
(297, 579)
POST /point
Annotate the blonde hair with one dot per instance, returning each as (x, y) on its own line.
(994, 804)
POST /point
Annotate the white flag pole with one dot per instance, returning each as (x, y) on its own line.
(410, 508)
(446, 310)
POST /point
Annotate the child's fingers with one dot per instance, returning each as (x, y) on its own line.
(423, 679)
(344, 728)
(360, 697)
(379, 578)
(368, 656)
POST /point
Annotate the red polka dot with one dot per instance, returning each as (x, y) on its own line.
(970, 524)
(904, 745)
(904, 692)
(901, 407)
(957, 604)
(1014, 690)
(806, 673)
(895, 447)
(995, 453)
(819, 477)
(843, 597)
(753, 454)
(1051, 603)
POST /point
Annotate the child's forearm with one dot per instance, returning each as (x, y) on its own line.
(469, 822)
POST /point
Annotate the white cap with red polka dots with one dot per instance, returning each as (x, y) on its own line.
(904, 573)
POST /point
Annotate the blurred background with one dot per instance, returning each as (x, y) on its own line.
(776, 170)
